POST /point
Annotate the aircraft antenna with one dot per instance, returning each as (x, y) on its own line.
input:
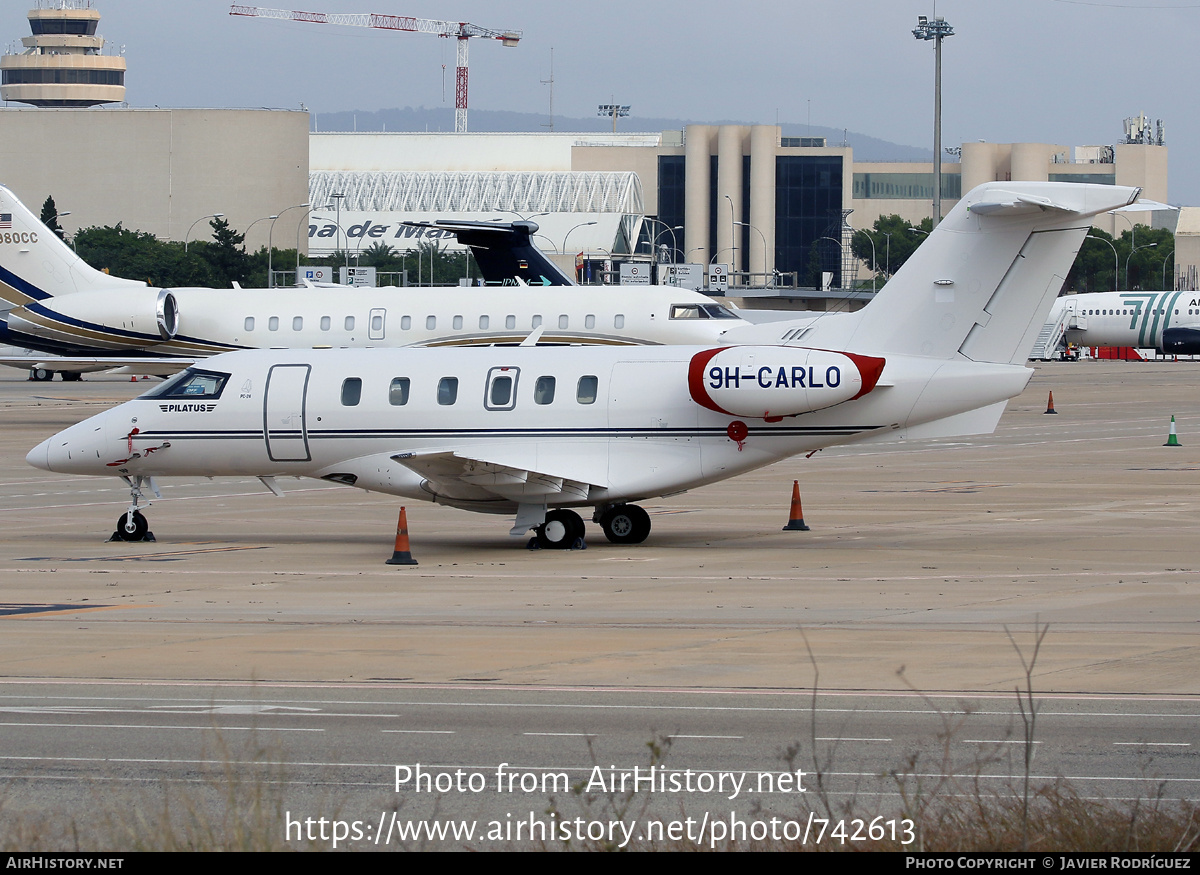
(462, 31)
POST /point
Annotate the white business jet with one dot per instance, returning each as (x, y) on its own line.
(534, 432)
(73, 318)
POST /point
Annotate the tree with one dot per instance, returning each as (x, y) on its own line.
(49, 217)
(138, 255)
(1098, 268)
(895, 240)
(229, 263)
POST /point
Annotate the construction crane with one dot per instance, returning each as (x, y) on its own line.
(461, 30)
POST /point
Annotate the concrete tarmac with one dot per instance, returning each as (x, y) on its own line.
(927, 566)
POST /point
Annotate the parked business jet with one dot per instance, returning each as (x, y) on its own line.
(536, 432)
(75, 318)
(1165, 321)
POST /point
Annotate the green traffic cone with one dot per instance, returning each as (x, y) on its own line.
(1172, 438)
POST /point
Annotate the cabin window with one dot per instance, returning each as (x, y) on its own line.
(564, 320)
(458, 323)
(619, 320)
(483, 323)
(249, 323)
(535, 322)
(431, 322)
(543, 390)
(510, 321)
(585, 393)
(192, 383)
(589, 321)
(349, 323)
(297, 323)
(405, 323)
(273, 323)
(398, 392)
(447, 391)
(351, 391)
(326, 323)
(376, 323)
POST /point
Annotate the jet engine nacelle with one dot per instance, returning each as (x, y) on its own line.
(770, 382)
(141, 315)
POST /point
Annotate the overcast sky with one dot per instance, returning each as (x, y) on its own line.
(1056, 71)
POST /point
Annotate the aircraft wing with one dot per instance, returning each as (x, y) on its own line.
(158, 366)
(531, 473)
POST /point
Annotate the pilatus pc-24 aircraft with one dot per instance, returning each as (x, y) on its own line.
(538, 432)
(74, 318)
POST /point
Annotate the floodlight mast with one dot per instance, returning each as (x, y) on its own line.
(461, 30)
(613, 110)
(936, 29)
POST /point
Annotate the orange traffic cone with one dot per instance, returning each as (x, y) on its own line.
(1050, 404)
(796, 522)
(401, 556)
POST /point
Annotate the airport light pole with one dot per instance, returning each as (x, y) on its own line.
(195, 223)
(271, 248)
(307, 211)
(674, 239)
(568, 234)
(764, 240)
(1116, 262)
(838, 244)
(937, 30)
(247, 234)
(874, 265)
(339, 196)
(1131, 251)
(1162, 276)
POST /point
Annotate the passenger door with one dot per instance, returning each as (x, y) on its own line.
(283, 413)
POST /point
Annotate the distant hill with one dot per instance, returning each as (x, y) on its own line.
(866, 148)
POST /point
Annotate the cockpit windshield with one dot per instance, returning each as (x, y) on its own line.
(192, 383)
(700, 311)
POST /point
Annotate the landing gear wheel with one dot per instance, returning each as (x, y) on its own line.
(561, 530)
(71, 376)
(625, 524)
(132, 527)
(41, 375)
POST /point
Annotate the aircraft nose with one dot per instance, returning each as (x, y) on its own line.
(39, 456)
(78, 449)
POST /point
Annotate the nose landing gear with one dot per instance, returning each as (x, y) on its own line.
(132, 525)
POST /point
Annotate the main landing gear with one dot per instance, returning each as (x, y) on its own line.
(564, 529)
(132, 525)
(624, 523)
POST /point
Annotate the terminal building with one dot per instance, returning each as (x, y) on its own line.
(777, 212)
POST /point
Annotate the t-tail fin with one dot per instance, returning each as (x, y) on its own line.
(980, 286)
(36, 264)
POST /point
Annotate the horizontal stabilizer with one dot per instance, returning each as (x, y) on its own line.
(504, 251)
(1014, 203)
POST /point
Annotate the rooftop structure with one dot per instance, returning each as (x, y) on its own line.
(63, 64)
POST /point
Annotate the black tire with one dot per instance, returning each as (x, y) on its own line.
(71, 376)
(560, 531)
(626, 524)
(140, 527)
(41, 375)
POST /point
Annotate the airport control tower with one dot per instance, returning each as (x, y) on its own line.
(62, 64)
